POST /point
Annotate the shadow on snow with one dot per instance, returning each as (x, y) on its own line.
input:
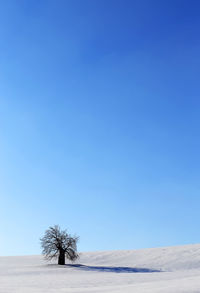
(112, 269)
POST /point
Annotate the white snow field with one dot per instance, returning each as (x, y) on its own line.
(168, 269)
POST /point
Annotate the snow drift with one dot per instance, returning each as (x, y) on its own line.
(166, 269)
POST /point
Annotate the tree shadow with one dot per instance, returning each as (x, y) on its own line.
(112, 269)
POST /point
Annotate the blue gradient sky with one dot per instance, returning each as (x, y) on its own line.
(99, 122)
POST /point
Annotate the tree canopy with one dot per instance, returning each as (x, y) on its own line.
(57, 243)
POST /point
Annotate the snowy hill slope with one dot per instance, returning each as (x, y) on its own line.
(168, 269)
(164, 258)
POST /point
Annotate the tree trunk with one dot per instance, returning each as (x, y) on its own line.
(61, 258)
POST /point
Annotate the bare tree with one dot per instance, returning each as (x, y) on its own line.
(59, 244)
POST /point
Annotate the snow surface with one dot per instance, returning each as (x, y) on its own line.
(168, 269)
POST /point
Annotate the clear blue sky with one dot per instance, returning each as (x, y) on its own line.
(99, 122)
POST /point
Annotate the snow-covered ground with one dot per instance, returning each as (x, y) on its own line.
(168, 269)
